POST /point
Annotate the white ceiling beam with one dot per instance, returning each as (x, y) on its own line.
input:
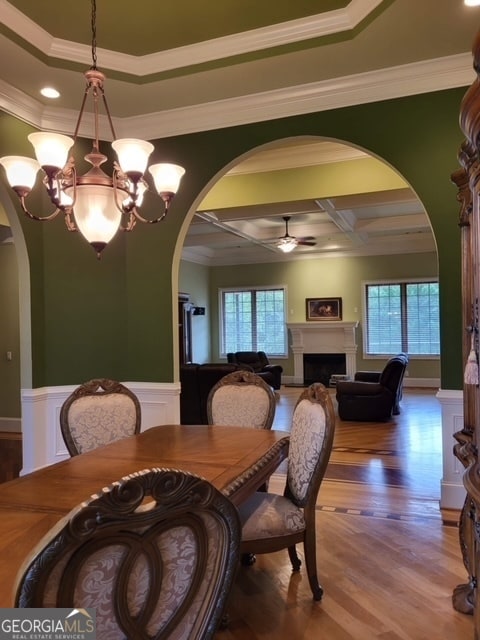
(415, 222)
(345, 220)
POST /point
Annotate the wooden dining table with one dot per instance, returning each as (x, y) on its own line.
(236, 460)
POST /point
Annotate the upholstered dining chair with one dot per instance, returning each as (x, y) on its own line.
(272, 522)
(155, 554)
(98, 412)
(241, 398)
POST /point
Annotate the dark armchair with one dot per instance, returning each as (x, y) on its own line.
(257, 361)
(373, 396)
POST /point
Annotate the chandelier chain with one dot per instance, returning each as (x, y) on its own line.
(94, 34)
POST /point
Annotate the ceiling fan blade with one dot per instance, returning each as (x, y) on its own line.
(306, 241)
(272, 240)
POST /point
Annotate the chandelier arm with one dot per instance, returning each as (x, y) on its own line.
(32, 216)
(131, 222)
(69, 219)
(134, 217)
(140, 218)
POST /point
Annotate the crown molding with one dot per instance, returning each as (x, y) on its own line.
(237, 44)
(384, 84)
(196, 257)
(19, 104)
(300, 155)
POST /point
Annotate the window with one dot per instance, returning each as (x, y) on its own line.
(253, 320)
(402, 316)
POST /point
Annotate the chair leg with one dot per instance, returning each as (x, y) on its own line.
(311, 565)
(294, 559)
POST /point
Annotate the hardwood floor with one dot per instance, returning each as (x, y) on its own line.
(386, 561)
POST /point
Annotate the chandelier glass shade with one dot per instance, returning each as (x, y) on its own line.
(96, 204)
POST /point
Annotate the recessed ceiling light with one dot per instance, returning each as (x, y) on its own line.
(472, 3)
(49, 92)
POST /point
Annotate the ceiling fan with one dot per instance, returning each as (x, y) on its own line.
(287, 243)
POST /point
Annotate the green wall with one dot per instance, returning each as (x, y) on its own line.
(116, 317)
(9, 334)
(325, 277)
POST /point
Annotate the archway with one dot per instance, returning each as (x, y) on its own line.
(352, 203)
(399, 224)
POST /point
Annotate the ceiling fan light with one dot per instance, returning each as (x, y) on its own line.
(21, 171)
(51, 149)
(132, 154)
(287, 244)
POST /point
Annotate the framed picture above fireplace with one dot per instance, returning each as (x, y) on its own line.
(324, 308)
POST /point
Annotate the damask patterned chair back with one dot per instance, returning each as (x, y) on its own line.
(311, 440)
(98, 412)
(155, 554)
(242, 399)
(272, 522)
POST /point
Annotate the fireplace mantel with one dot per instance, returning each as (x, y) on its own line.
(323, 337)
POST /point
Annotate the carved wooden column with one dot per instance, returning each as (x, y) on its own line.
(463, 596)
(466, 596)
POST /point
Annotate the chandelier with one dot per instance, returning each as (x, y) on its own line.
(96, 204)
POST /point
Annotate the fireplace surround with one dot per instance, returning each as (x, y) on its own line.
(322, 338)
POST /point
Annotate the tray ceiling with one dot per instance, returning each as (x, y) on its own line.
(174, 68)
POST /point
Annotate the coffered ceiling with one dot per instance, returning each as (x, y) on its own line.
(178, 67)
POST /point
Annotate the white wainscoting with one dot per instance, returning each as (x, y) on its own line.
(42, 439)
(43, 443)
(453, 492)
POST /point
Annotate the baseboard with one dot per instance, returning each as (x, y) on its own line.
(450, 517)
(424, 383)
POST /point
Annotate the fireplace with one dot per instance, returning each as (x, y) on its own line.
(321, 339)
(318, 367)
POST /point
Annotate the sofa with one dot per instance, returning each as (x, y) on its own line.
(373, 396)
(196, 380)
(257, 361)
